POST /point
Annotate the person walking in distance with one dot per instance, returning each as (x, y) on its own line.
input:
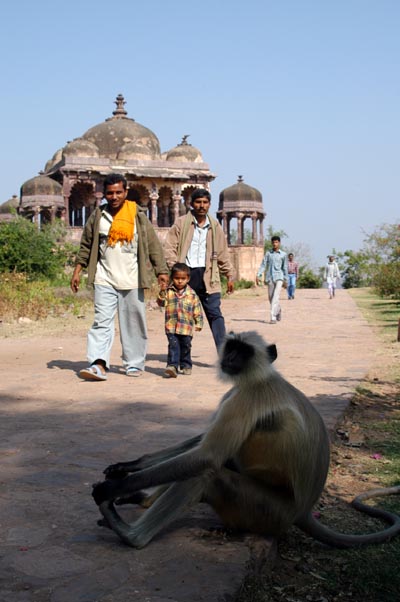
(120, 248)
(183, 313)
(198, 240)
(293, 274)
(274, 270)
(331, 274)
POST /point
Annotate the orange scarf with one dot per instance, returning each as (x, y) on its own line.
(123, 225)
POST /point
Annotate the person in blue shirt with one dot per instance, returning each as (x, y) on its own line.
(274, 269)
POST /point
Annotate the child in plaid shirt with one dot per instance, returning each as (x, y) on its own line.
(182, 313)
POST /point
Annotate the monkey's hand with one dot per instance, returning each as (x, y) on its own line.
(122, 469)
(116, 471)
(104, 491)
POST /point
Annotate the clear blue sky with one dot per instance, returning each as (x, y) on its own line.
(300, 97)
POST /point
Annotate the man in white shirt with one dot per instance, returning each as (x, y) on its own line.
(118, 247)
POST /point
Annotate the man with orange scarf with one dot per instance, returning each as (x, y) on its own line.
(119, 248)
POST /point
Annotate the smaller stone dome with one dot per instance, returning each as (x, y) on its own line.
(184, 152)
(9, 205)
(240, 197)
(41, 185)
(80, 148)
(56, 158)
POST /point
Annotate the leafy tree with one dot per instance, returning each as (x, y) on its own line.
(247, 237)
(302, 254)
(377, 263)
(354, 268)
(387, 280)
(25, 249)
(270, 233)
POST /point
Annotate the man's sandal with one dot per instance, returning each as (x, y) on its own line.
(94, 372)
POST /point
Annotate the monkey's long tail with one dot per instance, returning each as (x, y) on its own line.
(313, 527)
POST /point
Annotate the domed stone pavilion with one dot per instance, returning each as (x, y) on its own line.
(9, 208)
(237, 204)
(71, 185)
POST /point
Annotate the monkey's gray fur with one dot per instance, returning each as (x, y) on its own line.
(262, 463)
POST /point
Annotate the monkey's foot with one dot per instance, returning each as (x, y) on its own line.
(136, 498)
(103, 522)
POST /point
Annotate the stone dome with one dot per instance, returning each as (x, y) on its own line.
(184, 152)
(41, 185)
(56, 158)
(119, 130)
(12, 203)
(80, 148)
(240, 197)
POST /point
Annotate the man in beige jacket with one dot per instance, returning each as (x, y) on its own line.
(198, 240)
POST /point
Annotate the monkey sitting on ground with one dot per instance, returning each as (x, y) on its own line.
(262, 463)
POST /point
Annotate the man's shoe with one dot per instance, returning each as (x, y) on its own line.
(134, 372)
(94, 372)
(170, 372)
(272, 322)
(279, 316)
(186, 371)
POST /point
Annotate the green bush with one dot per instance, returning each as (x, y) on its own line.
(387, 280)
(37, 253)
(239, 284)
(307, 279)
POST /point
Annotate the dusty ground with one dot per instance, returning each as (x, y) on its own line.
(58, 433)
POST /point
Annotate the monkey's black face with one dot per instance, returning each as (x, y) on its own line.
(236, 357)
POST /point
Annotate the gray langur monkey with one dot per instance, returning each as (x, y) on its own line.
(262, 464)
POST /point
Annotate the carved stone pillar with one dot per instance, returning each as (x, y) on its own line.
(240, 216)
(66, 191)
(36, 216)
(154, 196)
(224, 223)
(228, 226)
(254, 228)
(176, 200)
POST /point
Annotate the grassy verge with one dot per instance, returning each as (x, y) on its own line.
(365, 455)
(22, 298)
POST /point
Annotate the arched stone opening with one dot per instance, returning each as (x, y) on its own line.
(45, 216)
(165, 215)
(82, 201)
(141, 195)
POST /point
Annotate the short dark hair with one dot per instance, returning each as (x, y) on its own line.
(275, 238)
(200, 193)
(114, 178)
(180, 267)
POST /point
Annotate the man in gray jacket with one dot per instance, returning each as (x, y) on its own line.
(120, 250)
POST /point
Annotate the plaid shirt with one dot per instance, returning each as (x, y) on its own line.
(182, 310)
(293, 268)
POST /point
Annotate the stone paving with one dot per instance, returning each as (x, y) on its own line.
(59, 432)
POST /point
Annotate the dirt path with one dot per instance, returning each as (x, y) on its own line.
(59, 432)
